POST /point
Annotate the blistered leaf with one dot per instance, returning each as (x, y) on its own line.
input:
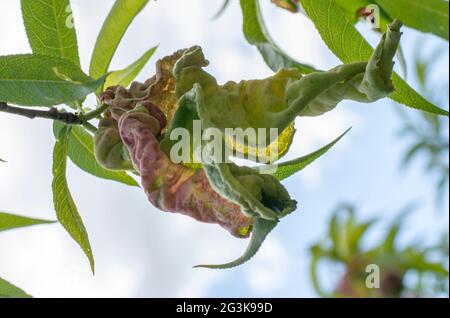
(261, 228)
(12, 221)
(258, 195)
(275, 102)
(66, 210)
(116, 24)
(8, 290)
(50, 28)
(127, 75)
(348, 44)
(41, 80)
(173, 187)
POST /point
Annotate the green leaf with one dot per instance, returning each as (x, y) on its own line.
(127, 75)
(119, 19)
(11, 221)
(50, 28)
(8, 290)
(66, 210)
(1, 160)
(423, 15)
(81, 152)
(257, 34)
(347, 43)
(261, 228)
(42, 80)
(289, 168)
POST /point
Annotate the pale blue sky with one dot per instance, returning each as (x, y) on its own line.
(141, 252)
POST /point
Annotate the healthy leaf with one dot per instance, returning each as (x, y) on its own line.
(81, 152)
(1, 160)
(50, 28)
(347, 43)
(119, 19)
(66, 210)
(127, 75)
(261, 228)
(8, 290)
(11, 221)
(257, 34)
(427, 16)
(42, 80)
(286, 169)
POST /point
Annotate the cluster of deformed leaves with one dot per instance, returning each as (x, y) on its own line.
(240, 199)
(343, 246)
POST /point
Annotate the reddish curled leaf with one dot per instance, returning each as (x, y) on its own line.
(158, 90)
(172, 187)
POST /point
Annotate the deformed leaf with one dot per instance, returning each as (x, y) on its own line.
(41, 80)
(12, 221)
(81, 152)
(347, 43)
(257, 34)
(66, 210)
(50, 28)
(127, 75)
(261, 228)
(8, 290)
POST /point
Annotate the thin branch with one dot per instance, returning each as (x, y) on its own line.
(53, 114)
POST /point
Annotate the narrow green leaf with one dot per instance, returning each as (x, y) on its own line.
(1, 160)
(347, 43)
(8, 290)
(12, 221)
(289, 168)
(81, 152)
(423, 15)
(119, 19)
(261, 228)
(66, 210)
(127, 75)
(50, 28)
(257, 34)
(42, 80)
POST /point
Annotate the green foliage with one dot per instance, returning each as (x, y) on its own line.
(343, 246)
(119, 19)
(66, 210)
(427, 16)
(286, 169)
(12, 221)
(347, 43)
(81, 152)
(127, 75)
(257, 34)
(50, 29)
(8, 290)
(428, 134)
(42, 80)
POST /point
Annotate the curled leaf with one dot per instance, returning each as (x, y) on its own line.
(261, 229)
(172, 187)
